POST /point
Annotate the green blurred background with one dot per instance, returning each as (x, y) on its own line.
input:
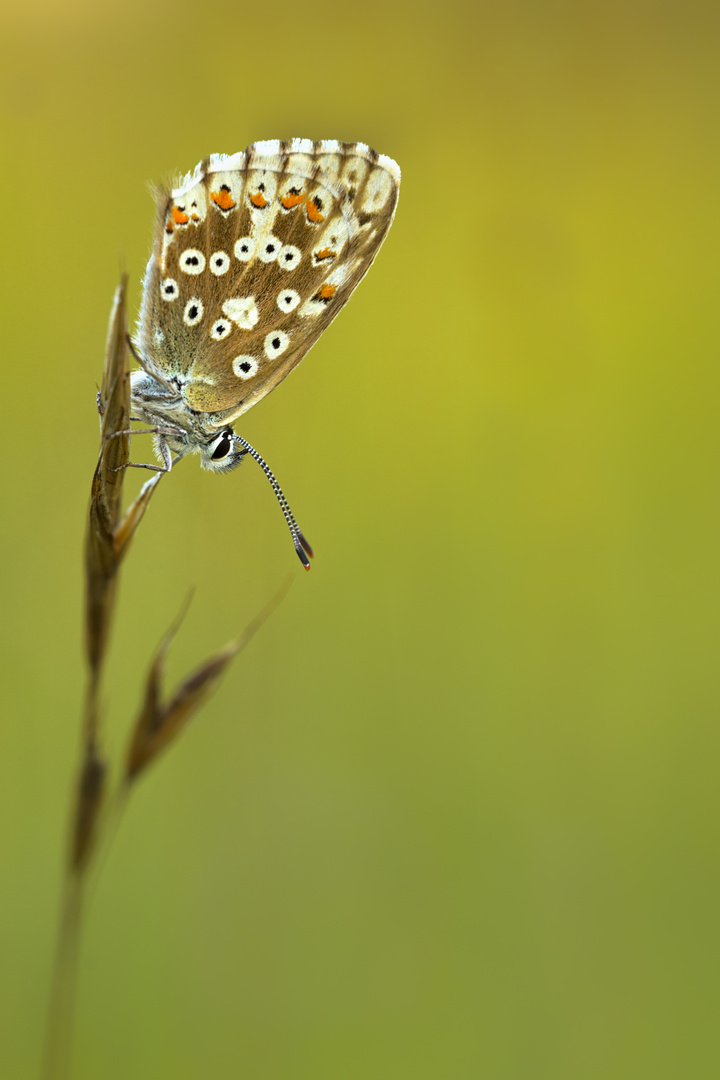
(454, 812)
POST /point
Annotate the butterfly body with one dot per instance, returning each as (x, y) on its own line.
(253, 257)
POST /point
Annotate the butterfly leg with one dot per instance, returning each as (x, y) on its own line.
(163, 450)
(161, 446)
(140, 465)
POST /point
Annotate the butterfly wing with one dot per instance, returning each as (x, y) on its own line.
(255, 256)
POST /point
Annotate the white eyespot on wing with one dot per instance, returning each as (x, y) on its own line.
(245, 366)
(276, 343)
(289, 257)
(268, 249)
(219, 263)
(192, 261)
(193, 312)
(288, 300)
(245, 248)
(169, 289)
(220, 329)
(242, 310)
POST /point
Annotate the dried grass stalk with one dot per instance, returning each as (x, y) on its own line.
(159, 723)
(108, 536)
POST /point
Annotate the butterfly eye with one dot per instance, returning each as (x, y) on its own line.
(222, 447)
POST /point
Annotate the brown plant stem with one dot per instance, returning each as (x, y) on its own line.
(58, 1041)
(159, 721)
(103, 556)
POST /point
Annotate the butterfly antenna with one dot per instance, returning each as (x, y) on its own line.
(302, 547)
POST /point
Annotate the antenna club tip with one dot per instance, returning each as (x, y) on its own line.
(306, 546)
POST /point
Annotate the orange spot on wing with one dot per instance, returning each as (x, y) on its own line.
(313, 213)
(326, 291)
(195, 217)
(326, 253)
(259, 200)
(223, 199)
(169, 226)
(289, 201)
(179, 217)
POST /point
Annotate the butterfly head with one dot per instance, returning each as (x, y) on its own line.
(220, 455)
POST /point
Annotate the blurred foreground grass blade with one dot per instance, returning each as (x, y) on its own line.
(90, 789)
(158, 724)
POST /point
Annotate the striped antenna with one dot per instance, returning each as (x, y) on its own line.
(302, 547)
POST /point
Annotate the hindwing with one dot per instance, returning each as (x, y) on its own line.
(254, 256)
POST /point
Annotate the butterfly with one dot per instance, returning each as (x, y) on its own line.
(253, 257)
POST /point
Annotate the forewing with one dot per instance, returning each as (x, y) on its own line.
(256, 255)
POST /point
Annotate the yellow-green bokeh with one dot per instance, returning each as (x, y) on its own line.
(454, 812)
